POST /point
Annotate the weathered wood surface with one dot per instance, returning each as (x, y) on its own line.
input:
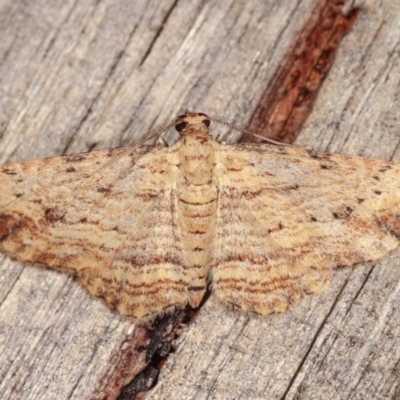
(78, 75)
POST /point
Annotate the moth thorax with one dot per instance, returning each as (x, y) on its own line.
(197, 159)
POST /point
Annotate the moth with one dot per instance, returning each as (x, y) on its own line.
(149, 228)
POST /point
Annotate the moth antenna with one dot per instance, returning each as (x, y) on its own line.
(242, 128)
(152, 133)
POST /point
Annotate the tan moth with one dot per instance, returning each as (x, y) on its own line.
(148, 228)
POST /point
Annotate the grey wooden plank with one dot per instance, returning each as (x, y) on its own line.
(90, 74)
(345, 343)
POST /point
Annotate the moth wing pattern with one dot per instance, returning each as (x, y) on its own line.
(107, 217)
(147, 228)
(286, 215)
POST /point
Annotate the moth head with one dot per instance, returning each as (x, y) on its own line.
(191, 121)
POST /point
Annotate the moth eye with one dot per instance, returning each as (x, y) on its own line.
(206, 122)
(181, 126)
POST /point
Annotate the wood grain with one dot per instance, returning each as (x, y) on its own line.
(81, 75)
